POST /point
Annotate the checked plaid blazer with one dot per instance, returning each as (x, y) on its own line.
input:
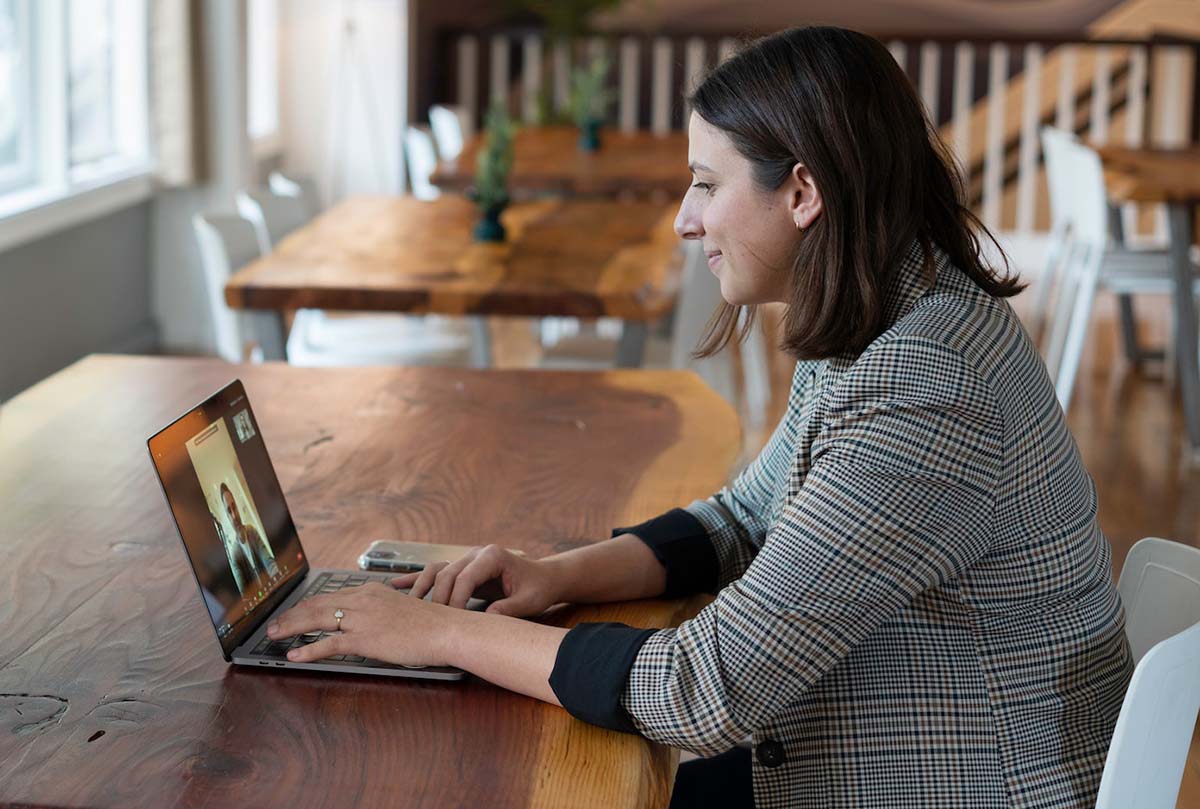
(915, 605)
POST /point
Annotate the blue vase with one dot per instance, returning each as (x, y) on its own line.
(489, 228)
(589, 136)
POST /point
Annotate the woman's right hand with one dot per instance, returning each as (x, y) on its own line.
(530, 586)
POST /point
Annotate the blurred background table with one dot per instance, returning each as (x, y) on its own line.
(569, 257)
(549, 160)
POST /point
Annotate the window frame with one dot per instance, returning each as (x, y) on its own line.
(58, 194)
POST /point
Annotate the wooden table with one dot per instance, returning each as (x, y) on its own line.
(549, 160)
(113, 691)
(568, 257)
(1170, 176)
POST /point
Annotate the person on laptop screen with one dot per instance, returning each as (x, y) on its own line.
(254, 548)
(914, 600)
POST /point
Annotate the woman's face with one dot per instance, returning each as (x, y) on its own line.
(750, 236)
(231, 509)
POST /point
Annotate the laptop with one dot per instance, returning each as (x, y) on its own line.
(240, 540)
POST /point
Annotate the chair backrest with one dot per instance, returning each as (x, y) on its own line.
(1075, 179)
(1055, 143)
(447, 125)
(422, 159)
(1150, 743)
(227, 243)
(1160, 588)
(295, 185)
(273, 216)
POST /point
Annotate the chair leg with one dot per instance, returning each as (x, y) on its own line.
(1045, 283)
(1133, 351)
(1080, 320)
(1060, 320)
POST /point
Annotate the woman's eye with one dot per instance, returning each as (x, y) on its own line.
(702, 186)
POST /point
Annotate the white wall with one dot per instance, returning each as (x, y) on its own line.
(345, 99)
(178, 278)
(78, 291)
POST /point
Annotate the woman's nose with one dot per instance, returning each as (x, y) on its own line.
(687, 222)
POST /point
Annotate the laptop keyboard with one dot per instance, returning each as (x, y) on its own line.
(324, 584)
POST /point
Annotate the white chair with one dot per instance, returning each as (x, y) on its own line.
(291, 185)
(227, 243)
(1088, 260)
(450, 129)
(699, 297)
(273, 215)
(422, 160)
(1056, 243)
(1160, 587)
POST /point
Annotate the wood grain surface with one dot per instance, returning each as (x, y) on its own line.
(580, 258)
(113, 691)
(549, 160)
(1151, 174)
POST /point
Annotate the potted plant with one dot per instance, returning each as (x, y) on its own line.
(491, 174)
(589, 101)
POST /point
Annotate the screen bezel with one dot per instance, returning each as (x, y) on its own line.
(167, 437)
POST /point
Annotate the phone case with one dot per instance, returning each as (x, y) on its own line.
(396, 556)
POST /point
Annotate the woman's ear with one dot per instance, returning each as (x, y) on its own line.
(804, 198)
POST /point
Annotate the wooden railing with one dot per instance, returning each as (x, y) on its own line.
(989, 96)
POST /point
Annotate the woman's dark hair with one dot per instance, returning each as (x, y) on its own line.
(836, 101)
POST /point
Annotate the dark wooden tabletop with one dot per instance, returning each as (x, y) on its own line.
(581, 258)
(549, 160)
(113, 690)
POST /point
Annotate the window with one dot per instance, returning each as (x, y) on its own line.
(90, 79)
(16, 125)
(73, 99)
(262, 72)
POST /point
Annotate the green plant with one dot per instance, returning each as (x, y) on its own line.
(590, 98)
(564, 19)
(495, 159)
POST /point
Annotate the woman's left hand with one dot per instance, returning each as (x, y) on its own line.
(377, 621)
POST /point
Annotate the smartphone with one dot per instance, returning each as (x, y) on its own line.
(409, 557)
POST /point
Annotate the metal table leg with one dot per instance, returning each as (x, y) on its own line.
(481, 342)
(631, 351)
(1180, 229)
(266, 329)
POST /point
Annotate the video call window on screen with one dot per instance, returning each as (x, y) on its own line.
(238, 528)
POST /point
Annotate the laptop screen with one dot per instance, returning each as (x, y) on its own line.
(230, 511)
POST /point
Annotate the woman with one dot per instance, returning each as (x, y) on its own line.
(914, 602)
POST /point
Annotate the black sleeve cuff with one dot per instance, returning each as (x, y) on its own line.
(681, 544)
(591, 669)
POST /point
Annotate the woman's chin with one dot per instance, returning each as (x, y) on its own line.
(732, 296)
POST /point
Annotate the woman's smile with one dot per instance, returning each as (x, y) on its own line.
(714, 258)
